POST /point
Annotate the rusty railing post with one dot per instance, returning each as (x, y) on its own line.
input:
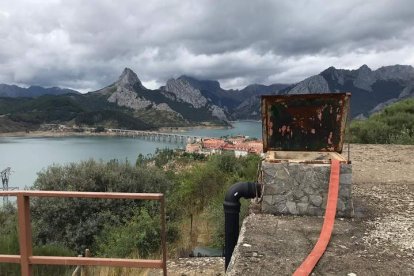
(25, 234)
(163, 236)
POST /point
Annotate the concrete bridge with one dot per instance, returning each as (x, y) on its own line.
(158, 136)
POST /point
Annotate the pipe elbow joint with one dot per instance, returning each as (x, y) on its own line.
(239, 190)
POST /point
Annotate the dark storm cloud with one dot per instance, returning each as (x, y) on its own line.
(86, 44)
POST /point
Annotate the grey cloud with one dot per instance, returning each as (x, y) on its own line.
(86, 44)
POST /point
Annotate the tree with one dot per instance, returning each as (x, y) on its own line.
(76, 222)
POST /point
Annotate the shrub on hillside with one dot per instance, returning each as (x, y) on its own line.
(202, 189)
(9, 244)
(393, 125)
(76, 222)
(122, 228)
(139, 236)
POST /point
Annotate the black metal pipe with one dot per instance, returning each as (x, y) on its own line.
(231, 213)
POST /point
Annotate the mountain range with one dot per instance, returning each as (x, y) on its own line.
(187, 101)
(14, 91)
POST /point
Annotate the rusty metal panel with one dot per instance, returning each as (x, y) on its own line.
(309, 122)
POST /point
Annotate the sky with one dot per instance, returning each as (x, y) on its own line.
(85, 45)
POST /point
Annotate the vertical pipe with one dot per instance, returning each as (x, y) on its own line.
(25, 234)
(231, 234)
(163, 237)
(231, 213)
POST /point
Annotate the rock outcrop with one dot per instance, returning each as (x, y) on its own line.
(314, 84)
(183, 91)
(178, 97)
(123, 92)
(371, 90)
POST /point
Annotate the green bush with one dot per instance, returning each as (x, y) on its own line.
(124, 228)
(9, 244)
(139, 236)
(195, 188)
(52, 250)
(9, 240)
(393, 125)
(76, 222)
(202, 188)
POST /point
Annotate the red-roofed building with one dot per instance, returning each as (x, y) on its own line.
(213, 143)
(193, 148)
(239, 145)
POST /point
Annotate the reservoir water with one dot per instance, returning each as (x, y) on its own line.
(27, 156)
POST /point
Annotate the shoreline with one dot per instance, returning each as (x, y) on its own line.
(54, 134)
(50, 134)
(183, 129)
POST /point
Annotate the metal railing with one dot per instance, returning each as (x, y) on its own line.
(26, 258)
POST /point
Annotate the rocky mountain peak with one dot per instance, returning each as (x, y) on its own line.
(365, 77)
(188, 90)
(329, 70)
(186, 78)
(209, 85)
(364, 68)
(129, 78)
(336, 75)
(314, 84)
(185, 92)
(402, 72)
(124, 91)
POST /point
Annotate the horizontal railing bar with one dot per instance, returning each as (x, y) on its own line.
(86, 261)
(49, 260)
(10, 259)
(105, 195)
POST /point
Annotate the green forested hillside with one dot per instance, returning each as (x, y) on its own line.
(93, 109)
(90, 110)
(393, 125)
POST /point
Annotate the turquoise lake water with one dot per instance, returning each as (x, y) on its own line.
(27, 156)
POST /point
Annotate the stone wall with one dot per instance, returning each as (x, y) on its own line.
(302, 189)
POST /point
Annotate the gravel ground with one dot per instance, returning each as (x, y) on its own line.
(378, 241)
